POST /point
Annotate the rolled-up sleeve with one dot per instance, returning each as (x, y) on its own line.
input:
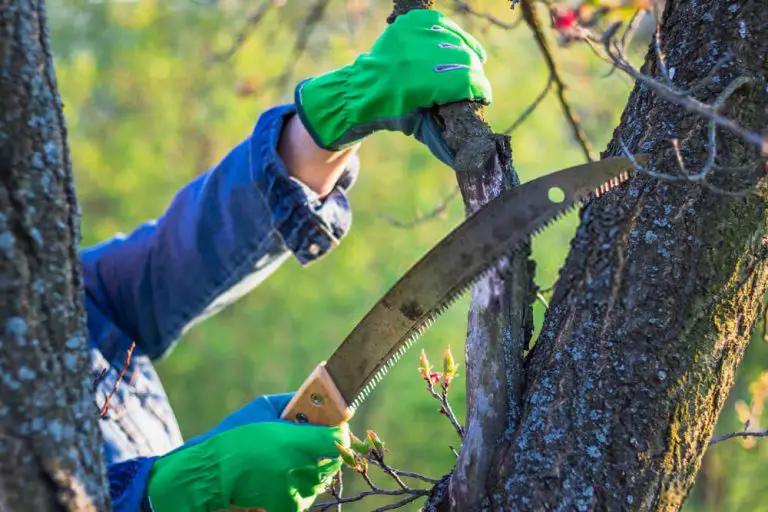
(309, 226)
(222, 235)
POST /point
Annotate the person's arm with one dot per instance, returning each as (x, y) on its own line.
(337, 110)
(318, 168)
(223, 233)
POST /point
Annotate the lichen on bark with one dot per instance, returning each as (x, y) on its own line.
(656, 301)
(50, 444)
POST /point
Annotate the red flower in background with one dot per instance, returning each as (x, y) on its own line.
(564, 18)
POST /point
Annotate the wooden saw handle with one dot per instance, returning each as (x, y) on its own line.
(318, 401)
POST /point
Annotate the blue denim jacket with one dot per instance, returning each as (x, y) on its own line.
(223, 234)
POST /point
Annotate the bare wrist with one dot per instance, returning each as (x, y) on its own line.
(318, 168)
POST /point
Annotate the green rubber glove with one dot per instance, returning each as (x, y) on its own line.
(421, 60)
(252, 460)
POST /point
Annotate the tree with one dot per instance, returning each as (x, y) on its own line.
(615, 403)
(50, 444)
(617, 400)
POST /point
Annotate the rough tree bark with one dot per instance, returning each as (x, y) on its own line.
(656, 301)
(500, 321)
(50, 445)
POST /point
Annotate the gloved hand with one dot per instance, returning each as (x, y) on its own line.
(421, 60)
(252, 459)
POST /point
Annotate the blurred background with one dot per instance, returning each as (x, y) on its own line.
(157, 91)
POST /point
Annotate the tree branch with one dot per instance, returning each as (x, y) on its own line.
(531, 18)
(408, 474)
(529, 110)
(725, 437)
(251, 21)
(412, 493)
(108, 398)
(683, 97)
(463, 7)
(499, 325)
(314, 16)
(446, 408)
(420, 219)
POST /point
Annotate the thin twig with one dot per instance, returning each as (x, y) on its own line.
(368, 480)
(410, 474)
(379, 460)
(98, 379)
(664, 176)
(626, 39)
(659, 53)
(432, 214)
(108, 398)
(313, 18)
(548, 289)
(631, 30)
(534, 23)
(337, 488)
(689, 103)
(464, 7)
(446, 407)
(763, 433)
(251, 21)
(529, 110)
(378, 492)
(397, 504)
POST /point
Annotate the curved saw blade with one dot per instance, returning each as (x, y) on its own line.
(451, 267)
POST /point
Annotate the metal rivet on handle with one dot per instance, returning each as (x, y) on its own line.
(317, 399)
(302, 418)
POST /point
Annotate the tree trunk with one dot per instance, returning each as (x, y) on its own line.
(655, 304)
(656, 301)
(50, 444)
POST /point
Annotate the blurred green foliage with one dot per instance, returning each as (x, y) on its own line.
(149, 106)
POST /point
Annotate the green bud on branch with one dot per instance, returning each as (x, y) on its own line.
(347, 456)
(359, 446)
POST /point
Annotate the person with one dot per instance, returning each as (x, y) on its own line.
(281, 191)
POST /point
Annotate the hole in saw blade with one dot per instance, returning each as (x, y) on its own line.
(556, 195)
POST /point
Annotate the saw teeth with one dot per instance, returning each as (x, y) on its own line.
(461, 289)
(611, 184)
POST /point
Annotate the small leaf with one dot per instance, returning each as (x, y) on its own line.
(346, 455)
(359, 446)
(424, 367)
(375, 441)
(449, 366)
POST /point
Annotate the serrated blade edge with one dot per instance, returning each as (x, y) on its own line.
(449, 269)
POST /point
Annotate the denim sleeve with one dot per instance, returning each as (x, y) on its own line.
(222, 234)
(128, 484)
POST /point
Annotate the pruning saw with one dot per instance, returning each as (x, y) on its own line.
(332, 392)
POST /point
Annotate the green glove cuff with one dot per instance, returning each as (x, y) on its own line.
(423, 59)
(325, 119)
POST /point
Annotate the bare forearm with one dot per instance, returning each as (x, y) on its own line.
(317, 168)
